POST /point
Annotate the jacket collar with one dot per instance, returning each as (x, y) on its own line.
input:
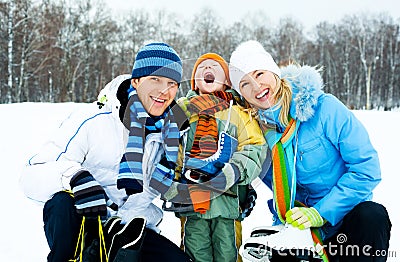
(307, 84)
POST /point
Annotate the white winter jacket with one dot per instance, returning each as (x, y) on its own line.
(92, 139)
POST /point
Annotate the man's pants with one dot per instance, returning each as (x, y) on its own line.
(62, 225)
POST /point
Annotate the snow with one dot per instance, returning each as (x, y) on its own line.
(27, 125)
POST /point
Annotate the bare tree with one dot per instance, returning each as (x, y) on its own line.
(394, 63)
(289, 39)
(10, 49)
(205, 32)
(64, 50)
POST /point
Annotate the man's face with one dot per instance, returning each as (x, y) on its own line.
(155, 92)
(209, 77)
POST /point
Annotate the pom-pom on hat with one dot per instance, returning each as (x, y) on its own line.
(158, 59)
(214, 57)
(248, 57)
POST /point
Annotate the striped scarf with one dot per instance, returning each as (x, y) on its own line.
(205, 141)
(283, 172)
(284, 175)
(130, 175)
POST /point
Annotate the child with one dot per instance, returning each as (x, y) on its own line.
(225, 148)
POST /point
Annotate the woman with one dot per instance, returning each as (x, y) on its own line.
(319, 146)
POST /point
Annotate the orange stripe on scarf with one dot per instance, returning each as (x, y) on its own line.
(288, 131)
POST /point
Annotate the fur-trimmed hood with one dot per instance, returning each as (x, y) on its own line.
(307, 84)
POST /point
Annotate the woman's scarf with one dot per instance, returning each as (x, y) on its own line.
(271, 116)
(130, 175)
(283, 147)
(283, 172)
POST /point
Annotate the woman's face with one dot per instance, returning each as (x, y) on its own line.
(259, 88)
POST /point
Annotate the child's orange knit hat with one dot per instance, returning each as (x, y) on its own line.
(214, 57)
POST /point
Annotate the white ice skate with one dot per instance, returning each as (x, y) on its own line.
(284, 241)
(266, 230)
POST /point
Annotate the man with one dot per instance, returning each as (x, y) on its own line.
(75, 174)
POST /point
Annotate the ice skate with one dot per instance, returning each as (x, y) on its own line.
(286, 240)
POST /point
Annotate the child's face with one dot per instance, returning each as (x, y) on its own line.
(155, 92)
(210, 77)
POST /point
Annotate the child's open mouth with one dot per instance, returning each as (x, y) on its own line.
(209, 77)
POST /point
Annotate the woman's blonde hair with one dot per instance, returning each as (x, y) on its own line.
(284, 96)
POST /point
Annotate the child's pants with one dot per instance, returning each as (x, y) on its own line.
(210, 239)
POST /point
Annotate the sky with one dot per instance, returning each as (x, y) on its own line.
(308, 12)
(26, 126)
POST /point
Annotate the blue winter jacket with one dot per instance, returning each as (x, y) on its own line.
(336, 165)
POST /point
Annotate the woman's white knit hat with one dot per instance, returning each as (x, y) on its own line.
(248, 57)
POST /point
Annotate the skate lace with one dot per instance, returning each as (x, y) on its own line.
(292, 196)
(80, 243)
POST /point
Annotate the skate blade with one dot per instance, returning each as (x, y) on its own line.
(259, 253)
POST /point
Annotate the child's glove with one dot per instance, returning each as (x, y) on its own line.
(90, 197)
(249, 204)
(220, 181)
(304, 217)
(226, 178)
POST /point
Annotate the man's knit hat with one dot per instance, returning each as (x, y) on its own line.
(158, 59)
(248, 57)
(214, 57)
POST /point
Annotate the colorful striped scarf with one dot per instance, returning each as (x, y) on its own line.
(130, 175)
(284, 175)
(283, 172)
(205, 141)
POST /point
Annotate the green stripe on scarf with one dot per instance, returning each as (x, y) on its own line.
(281, 175)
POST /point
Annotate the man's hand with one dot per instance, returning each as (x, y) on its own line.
(90, 197)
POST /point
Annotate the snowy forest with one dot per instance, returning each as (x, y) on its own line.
(61, 51)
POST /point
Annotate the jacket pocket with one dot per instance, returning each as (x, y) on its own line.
(313, 156)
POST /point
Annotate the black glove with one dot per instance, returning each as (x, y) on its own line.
(90, 197)
(219, 182)
(249, 203)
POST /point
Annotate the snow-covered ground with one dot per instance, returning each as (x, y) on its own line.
(26, 126)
